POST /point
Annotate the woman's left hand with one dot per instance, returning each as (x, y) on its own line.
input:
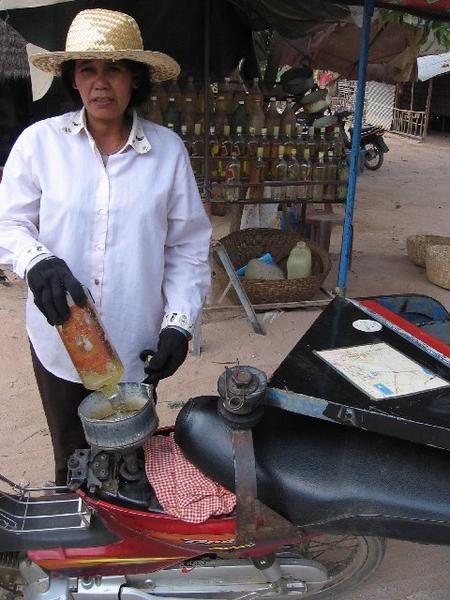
(170, 355)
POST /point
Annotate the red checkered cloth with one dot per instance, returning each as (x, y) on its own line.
(181, 489)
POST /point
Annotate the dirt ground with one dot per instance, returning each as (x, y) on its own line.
(408, 195)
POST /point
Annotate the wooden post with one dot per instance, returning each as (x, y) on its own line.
(427, 108)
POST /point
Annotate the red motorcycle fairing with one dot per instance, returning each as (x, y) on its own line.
(150, 542)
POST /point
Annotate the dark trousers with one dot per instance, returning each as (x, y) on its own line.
(60, 399)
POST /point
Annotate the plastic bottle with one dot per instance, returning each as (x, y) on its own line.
(159, 91)
(299, 261)
(279, 173)
(253, 94)
(293, 174)
(257, 175)
(227, 93)
(288, 141)
(329, 190)
(90, 349)
(173, 91)
(220, 117)
(190, 92)
(288, 117)
(232, 176)
(304, 191)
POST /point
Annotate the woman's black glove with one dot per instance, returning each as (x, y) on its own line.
(49, 280)
(171, 353)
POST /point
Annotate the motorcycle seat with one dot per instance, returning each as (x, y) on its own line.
(365, 129)
(326, 477)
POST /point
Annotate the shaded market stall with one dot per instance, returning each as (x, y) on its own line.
(209, 39)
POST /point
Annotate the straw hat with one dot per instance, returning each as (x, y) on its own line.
(106, 34)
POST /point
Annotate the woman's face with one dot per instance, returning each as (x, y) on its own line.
(105, 87)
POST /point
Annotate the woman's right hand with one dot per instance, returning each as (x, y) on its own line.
(49, 280)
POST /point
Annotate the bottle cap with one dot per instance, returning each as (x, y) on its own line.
(287, 129)
(320, 154)
(212, 129)
(239, 129)
(264, 131)
(260, 152)
(240, 102)
(322, 130)
(273, 99)
(306, 153)
(197, 128)
(153, 97)
(188, 99)
(220, 97)
(251, 130)
(170, 125)
(183, 128)
(227, 79)
(171, 99)
(293, 152)
(281, 150)
(226, 130)
(276, 131)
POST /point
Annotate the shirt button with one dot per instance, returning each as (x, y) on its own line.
(102, 211)
(100, 247)
(97, 281)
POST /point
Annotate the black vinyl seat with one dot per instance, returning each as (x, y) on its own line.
(365, 129)
(329, 477)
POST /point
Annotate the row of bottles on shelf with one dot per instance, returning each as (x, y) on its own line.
(305, 158)
(325, 179)
(236, 109)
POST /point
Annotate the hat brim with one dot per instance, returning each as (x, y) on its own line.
(163, 67)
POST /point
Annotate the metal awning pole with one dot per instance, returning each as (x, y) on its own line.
(347, 233)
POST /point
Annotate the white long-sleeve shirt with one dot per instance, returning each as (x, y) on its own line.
(133, 231)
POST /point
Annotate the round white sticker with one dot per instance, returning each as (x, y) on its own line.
(367, 325)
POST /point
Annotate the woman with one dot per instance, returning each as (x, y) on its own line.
(105, 199)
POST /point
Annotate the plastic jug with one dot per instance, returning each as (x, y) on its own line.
(299, 261)
(89, 348)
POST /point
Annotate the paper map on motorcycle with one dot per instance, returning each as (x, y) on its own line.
(380, 371)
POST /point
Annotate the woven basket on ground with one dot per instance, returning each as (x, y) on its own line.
(437, 261)
(416, 246)
(246, 244)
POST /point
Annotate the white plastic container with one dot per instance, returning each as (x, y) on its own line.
(299, 261)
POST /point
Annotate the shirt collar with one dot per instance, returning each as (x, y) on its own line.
(137, 138)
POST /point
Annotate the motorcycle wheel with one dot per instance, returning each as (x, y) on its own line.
(349, 560)
(373, 157)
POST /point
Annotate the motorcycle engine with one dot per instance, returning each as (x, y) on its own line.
(116, 476)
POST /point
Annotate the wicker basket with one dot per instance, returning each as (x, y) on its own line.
(246, 244)
(416, 246)
(437, 261)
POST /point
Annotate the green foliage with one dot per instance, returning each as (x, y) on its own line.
(438, 29)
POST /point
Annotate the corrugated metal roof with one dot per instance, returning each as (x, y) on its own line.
(430, 66)
(13, 56)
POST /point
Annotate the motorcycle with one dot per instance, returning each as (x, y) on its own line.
(316, 493)
(372, 141)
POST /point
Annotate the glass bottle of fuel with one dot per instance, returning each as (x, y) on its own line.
(152, 111)
(256, 116)
(187, 140)
(342, 176)
(188, 115)
(226, 143)
(175, 92)
(279, 173)
(329, 190)
(323, 144)
(272, 116)
(288, 117)
(293, 174)
(338, 144)
(300, 142)
(239, 118)
(252, 144)
(257, 175)
(275, 143)
(318, 175)
(220, 116)
(311, 144)
(190, 92)
(238, 142)
(214, 152)
(227, 93)
(232, 176)
(253, 94)
(288, 140)
(305, 174)
(197, 151)
(172, 114)
(159, 91)
(89, 348)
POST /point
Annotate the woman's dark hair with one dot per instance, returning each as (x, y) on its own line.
(141, 74)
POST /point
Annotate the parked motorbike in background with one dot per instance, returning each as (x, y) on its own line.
(372, 141)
